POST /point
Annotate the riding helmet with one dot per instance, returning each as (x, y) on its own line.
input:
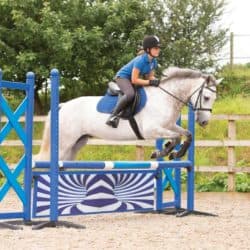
(151, 42)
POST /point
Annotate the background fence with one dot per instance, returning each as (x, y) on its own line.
(230, 143)
(236, 50)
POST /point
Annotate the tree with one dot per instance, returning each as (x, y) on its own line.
(191, 32)
(89, 40)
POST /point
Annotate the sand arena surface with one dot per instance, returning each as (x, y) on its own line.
(230, 230)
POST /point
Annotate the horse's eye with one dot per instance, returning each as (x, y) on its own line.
(206, 98)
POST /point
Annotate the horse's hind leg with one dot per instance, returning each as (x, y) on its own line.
(69, 153)
(78, 145)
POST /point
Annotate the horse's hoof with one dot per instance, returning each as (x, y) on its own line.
(172, 156)
(155, 155)
(167, 144)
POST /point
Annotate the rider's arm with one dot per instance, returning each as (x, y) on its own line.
(135, 78)
(151, 75)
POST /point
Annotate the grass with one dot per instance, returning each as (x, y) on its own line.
(232, 105)
(37, 131)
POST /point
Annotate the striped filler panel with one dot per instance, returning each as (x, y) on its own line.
(96, 193)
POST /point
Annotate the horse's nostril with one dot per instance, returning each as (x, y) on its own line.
(204, 123)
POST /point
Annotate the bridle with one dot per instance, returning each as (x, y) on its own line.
(199, 97)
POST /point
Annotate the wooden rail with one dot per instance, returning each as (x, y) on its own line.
(231, 143)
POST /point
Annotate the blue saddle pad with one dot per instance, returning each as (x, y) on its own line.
(108, 102)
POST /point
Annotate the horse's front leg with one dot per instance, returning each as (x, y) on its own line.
(184, 147)
(168, 147)
(160, 132)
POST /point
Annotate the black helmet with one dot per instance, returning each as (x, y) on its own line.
(151, 42)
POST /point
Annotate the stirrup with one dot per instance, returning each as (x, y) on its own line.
(113, 121)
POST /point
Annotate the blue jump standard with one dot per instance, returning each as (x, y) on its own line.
(25, 135)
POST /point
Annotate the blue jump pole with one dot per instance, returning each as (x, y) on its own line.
(30, 80)
(116, 164)
(54, 135)
(191, 151)
(177, 173)
(54, 141)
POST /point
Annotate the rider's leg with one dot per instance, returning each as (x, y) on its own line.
(129, 93)
(113, 120)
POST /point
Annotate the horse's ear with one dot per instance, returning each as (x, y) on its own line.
(219, 81)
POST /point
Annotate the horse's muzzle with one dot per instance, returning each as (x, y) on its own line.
(203, 123)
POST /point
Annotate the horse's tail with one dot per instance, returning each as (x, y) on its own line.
(44, 152)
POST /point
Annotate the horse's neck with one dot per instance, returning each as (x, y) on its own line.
(182, 88)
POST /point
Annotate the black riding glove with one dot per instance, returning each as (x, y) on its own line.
(154, 82)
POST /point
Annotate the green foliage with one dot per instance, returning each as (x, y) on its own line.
(20, 179)
(88, 41)
(211, 156)
(13, 97)
(214, 130)
(105, 153)
(236, 81)
(243, 182)
(218, 182)
(232, 104)
(1, 179)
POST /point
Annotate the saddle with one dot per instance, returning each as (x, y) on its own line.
(108, 102)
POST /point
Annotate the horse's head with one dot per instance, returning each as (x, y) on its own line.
(203, 99)
(197, 88)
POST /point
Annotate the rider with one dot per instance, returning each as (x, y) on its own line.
(139, 71)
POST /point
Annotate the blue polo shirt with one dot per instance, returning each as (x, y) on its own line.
(140, 62)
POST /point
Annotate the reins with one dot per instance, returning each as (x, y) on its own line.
(198, 100)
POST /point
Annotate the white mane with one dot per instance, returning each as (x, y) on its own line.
(175, 72)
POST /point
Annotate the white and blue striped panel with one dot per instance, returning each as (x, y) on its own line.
(94, 193)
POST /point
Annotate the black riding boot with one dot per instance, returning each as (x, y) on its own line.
(114, 118)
